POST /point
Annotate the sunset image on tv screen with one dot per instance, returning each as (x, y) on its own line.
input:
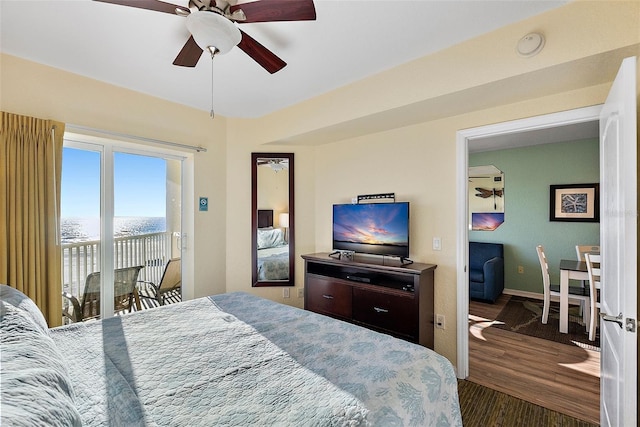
(372, 224)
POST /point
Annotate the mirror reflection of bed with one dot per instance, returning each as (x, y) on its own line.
(272, 219)
(273, 249)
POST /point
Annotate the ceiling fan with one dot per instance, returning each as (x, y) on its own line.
(275, 164)
(212, 25)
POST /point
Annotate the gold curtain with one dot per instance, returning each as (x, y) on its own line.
(30, 173)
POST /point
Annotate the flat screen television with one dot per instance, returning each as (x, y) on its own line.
(372, 228)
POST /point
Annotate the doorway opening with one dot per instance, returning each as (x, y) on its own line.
(519, 133)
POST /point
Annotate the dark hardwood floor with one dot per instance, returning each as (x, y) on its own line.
(484, 407)
(556, 376)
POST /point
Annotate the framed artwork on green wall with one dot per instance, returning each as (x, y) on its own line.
(574, 203)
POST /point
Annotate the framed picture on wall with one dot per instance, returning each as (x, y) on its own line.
(574, 203)
(486, 221)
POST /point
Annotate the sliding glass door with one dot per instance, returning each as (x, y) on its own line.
(121, 225)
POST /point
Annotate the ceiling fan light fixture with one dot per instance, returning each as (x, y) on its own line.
(277, 167)
(212, 30)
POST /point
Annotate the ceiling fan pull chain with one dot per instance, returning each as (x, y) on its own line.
(213, 51)
(212, 114)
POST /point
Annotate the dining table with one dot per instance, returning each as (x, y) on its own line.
(570, 269)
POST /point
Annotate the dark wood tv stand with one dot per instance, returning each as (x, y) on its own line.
(395, 299)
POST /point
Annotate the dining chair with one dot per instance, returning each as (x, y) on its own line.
(577, 294)
(593, 269)
(586, 249)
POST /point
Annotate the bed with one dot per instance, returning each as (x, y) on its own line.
(273, 250)
(248, 361)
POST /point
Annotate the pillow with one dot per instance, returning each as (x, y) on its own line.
(35, 388)
(270, 238)
(19, 300)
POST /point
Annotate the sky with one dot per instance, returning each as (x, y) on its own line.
(139, 187)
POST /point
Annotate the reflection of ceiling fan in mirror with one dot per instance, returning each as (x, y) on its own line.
(275, 164)
(212, 25)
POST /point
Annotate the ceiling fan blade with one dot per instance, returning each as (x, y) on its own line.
(277, 10)
(263, 56)
(189, 54)
(158, 6)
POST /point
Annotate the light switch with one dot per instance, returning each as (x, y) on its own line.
(437, 244)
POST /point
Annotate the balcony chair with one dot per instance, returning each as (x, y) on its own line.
(171, 281)
(593, 269)
(577, 295)
(89, 306)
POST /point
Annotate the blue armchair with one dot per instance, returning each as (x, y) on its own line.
(486, 271)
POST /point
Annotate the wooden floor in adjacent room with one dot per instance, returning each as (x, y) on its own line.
(556, 376)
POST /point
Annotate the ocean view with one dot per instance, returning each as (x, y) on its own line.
(75, 230)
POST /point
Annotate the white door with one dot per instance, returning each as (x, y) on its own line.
(619, 243)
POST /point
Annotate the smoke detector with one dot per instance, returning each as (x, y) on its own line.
(530, 45)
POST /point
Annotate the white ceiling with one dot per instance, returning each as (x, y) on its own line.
(350, 40)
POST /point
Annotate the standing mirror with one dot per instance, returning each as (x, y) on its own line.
(272, 219)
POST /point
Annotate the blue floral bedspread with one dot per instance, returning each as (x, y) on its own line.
(400, 383)
(273, 265)
(239, 360)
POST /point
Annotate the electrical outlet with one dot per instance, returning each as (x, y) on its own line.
(285, 293)
(440, 321)
(520, 269)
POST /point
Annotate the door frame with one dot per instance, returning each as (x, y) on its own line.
(464, 138)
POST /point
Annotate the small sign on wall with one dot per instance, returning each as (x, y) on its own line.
(204, 204)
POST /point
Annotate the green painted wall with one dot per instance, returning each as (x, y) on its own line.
(529, 172)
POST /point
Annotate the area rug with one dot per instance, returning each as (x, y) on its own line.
(524, 316)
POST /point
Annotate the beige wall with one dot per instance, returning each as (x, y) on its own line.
(392, 132)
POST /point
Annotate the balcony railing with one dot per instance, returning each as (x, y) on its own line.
(81, 259)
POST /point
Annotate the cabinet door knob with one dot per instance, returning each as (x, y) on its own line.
(327, 296)
(380, 310)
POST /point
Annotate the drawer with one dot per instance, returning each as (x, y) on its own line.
(326, 296)
(393, 313)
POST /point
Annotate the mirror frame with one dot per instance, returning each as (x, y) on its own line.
(254, 220)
